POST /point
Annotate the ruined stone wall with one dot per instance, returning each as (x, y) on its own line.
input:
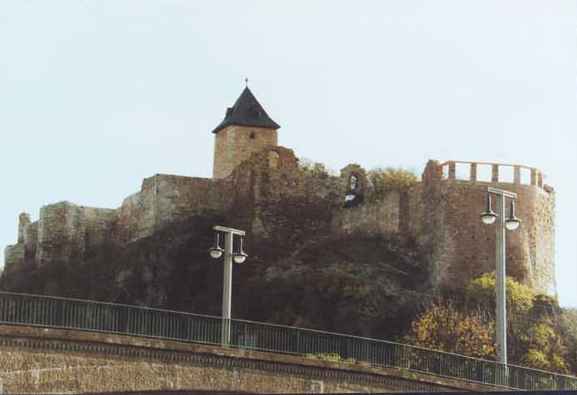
(235, 144)
(166, 199)
(273, 195)
(382, 217)
(66, 231)
(137, 215)
(25, 247)
(182, 197)
(269, 194)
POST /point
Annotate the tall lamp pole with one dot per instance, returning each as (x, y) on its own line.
(510, 223)
(229, 256)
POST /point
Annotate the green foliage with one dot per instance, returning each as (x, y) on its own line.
(389, 179)
(481, 292)
(314, 169)
(568, 332)
(545, 348)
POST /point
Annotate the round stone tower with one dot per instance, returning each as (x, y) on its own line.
(453, 196)
(246, 129)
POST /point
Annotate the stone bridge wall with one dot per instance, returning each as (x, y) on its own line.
(36, 360)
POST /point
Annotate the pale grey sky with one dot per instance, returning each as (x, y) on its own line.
(97, 95)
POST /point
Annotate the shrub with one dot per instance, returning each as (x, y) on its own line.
(481, 292)
(443, 327)
(390, 179)
(314, 169)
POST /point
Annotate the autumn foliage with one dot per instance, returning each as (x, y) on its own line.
(540, 335)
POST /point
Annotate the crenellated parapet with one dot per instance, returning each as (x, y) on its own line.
(493, 172)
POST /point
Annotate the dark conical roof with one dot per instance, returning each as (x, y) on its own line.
(246, 111)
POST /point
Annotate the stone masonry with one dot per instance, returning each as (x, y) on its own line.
(40, 361)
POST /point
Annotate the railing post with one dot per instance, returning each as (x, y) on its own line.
(517, 178)
(495, 173)
(473, 174)
(452, 171)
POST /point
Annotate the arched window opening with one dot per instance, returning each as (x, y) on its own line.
(354, 194)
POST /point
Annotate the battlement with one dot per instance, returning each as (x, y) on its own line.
(492, 172)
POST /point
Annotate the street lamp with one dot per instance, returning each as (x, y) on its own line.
(510, 223)
(229, 256)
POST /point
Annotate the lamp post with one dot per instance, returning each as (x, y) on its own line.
(510, 223)
(229, 256)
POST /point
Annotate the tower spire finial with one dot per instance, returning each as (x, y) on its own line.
(246, 82)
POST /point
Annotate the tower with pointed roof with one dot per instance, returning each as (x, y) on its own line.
(245, 129)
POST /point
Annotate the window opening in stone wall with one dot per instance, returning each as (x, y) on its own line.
(525, 176)
(251, 136)
(354, 194)
(462, 171)
(484, 172)
(506, 174)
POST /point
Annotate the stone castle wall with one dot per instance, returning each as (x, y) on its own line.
(166, 199)
(443, 214)
(66, 232)
(271, 194)
(235, 144)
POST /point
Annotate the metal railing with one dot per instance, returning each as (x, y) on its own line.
(54, 312)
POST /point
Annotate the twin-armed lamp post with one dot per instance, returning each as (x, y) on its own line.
(510, 223)
(229, 256)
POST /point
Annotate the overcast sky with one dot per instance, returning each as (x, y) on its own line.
(97, 95)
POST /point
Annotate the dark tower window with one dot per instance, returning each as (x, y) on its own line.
(251, 136)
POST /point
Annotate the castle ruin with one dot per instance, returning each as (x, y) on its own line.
(252, 173)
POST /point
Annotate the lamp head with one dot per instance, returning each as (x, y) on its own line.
(239, 257)
(488, 216)
(216, 251)
(512, 222)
